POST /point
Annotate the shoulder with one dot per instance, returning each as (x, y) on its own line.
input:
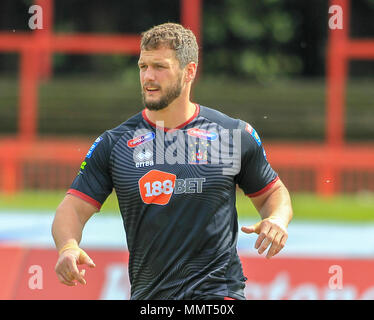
(221, 119)
(248, 133)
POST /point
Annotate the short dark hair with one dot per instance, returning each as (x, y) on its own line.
(173, 36)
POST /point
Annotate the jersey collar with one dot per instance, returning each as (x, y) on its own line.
(197, 110)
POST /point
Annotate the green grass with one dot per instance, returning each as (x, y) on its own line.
(342, 208)
(45, 201)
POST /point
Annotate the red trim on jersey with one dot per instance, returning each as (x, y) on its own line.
(228, 298)
(197, 110)
(84, 197)
(263, 190)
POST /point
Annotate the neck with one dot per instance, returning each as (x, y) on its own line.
(175, 114)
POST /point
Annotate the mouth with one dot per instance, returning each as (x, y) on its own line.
(151, 89)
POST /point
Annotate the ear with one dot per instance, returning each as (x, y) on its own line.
(190, 72)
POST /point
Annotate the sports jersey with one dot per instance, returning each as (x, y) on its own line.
(176, 191)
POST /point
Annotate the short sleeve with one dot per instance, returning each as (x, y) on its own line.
(256, 176)
(93, 182)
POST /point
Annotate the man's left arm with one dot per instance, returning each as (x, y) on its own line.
(275, 209)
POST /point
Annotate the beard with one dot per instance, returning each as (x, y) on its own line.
(171, 93)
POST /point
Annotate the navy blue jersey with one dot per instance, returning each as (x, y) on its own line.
(176, 191)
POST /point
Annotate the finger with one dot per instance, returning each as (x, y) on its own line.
(249, 229)
(72, 270)
(77, 275)
(68, 276)
(252, 228)
(85, 259)
(65, 281)
(275, 246)
(265, 228)
(267, 241)
(282, 243)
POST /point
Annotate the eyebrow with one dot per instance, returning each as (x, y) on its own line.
(161, 63)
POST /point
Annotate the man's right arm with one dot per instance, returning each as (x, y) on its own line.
(70, 219)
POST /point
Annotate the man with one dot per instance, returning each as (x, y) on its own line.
(175, 167)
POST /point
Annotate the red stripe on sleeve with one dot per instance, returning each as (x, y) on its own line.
(85, 197)
(263, 190)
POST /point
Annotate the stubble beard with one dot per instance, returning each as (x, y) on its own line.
(170, 95)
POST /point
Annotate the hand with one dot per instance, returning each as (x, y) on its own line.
(66, 267)
(271, 231)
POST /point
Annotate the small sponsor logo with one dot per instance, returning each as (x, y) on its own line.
(199, 157)
(97, 141)
(144, 164)
(141, 139)
(248, 128)
(144, 155)
(202, 134)
(145, 159)
(253, 133)
(83, 165)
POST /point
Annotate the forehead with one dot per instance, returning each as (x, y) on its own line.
(159, 54)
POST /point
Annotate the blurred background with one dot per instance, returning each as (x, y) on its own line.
(307, 88)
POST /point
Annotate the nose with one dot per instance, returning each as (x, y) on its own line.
(149, 75)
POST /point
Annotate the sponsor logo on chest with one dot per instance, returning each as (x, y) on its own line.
(143, 158)
(157, 187)
(139, 140)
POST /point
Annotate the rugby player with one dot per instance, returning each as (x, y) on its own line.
(175, 167)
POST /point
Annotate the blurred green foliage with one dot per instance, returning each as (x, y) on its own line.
(254, 34)
(257, 39)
